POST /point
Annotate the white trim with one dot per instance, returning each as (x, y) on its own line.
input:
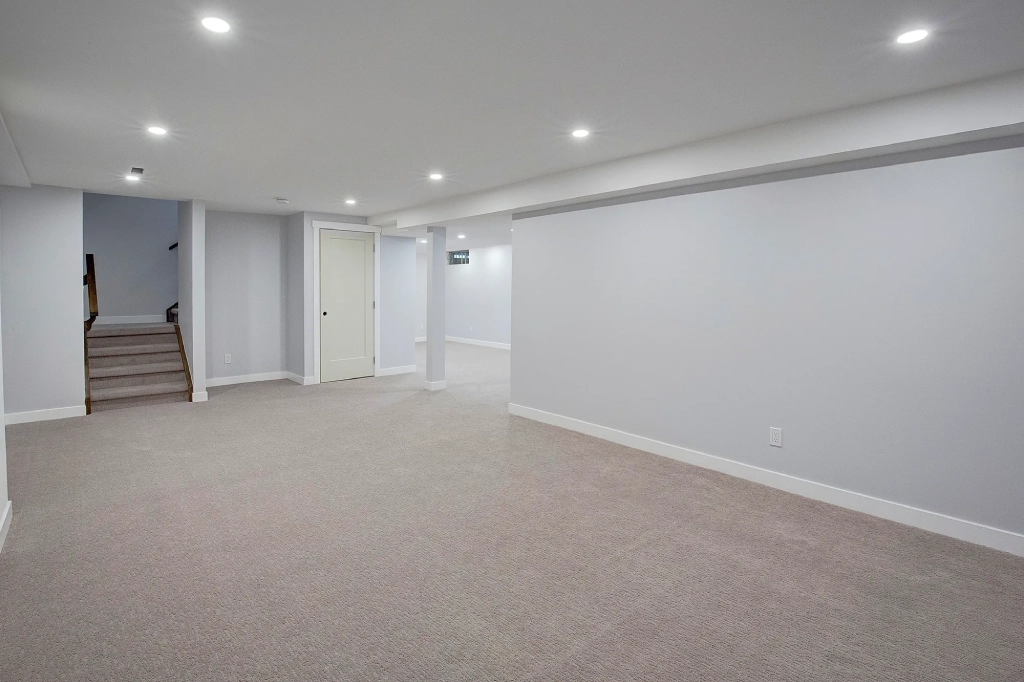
(1004, 540)
(388, 371)
(421, 339)
(245, 379)
(344, 227)
(347, 227)
(300, 380)
(5, 523)
(435, 385)
(130, 319)
(200, 396)
(44, 415)
(474, 342)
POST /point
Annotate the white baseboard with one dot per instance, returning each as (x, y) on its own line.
(389, 371)
(245, 379)
(5, 522)
(1004, 540)
(301, 380)
(130, 319)
(44, 415)
(474, 342)
(421, 339)
(435, 385)
(200, 396)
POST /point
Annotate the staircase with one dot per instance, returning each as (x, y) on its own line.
(135, 365)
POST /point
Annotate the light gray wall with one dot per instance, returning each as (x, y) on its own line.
(479, 296)
(421, 295)
(192, 289)
(295, 297)
(245, 294)
(137, 274)
(874, 315)
(397, 303)
(41, 262)
(4, 492)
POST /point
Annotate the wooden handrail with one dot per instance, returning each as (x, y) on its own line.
(90, 281)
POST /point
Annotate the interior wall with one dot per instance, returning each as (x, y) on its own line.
(397, 303)
(245, 295)
(137, 273)
(478, 305)
(5, 497)
(873, 315)
(41, 267)
(295, 297)
(421, 296)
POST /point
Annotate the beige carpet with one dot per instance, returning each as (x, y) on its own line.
(370, 530)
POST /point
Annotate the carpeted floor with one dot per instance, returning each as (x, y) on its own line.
(370, 530)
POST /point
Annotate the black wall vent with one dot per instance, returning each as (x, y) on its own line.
(458, 257)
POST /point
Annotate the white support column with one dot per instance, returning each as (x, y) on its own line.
(436, 263)
(192, 290)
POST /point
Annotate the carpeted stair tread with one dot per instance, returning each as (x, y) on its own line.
(121, 403)
(118, 392)
(104, 351)
(131, 370)
(130, 330)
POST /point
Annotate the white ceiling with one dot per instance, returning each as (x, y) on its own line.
(320, 100)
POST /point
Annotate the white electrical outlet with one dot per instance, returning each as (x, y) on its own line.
(774, 437)
(227, 359)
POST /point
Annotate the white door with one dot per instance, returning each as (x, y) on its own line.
(346, 305)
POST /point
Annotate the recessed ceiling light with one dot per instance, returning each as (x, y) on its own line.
(281, 200)
(423, 241)
(462, 236)
(216, 25)
(132, 177)
(350, 202)
(914, 36)
(581, 133)
(157, 130)
(436, 176)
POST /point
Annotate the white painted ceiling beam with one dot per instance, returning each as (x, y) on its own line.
(12, 170)
(979, 110)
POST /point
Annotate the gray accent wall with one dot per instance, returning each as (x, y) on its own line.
(875, 316)
(41, 267)
(397, 302)
(137, 273)
(246, 264)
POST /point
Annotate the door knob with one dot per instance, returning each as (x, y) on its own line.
(325, 313)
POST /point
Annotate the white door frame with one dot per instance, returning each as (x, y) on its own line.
(344, 227)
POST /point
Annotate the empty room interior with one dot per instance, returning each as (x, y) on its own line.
(573, 340)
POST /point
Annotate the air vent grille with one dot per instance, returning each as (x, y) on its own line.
(458, 257)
